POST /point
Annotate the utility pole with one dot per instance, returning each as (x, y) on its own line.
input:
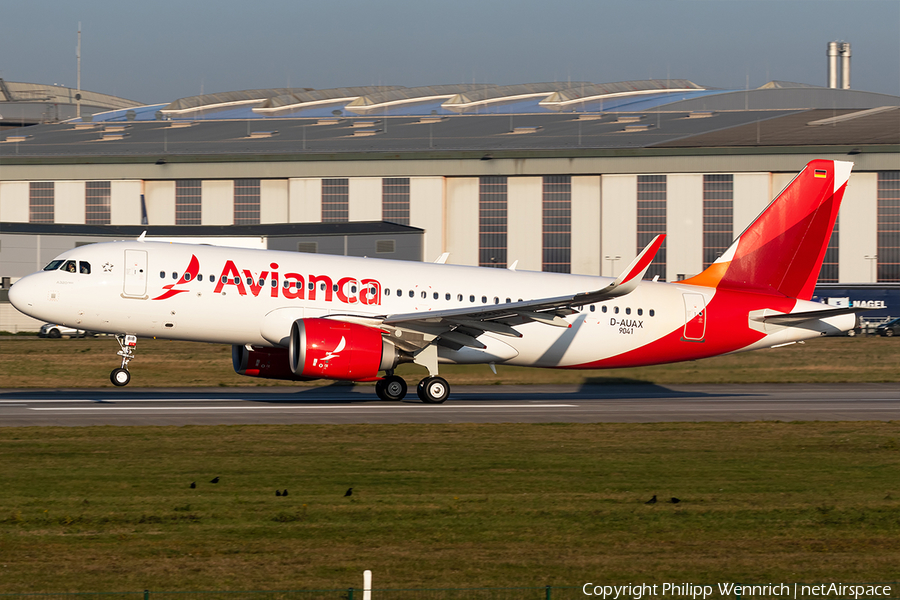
(78, 76)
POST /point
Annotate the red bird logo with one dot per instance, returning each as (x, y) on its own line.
(189, 275)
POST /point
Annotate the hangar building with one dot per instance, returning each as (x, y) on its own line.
(569, 177)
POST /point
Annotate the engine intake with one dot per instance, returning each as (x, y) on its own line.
(328, 349)
(260, 361)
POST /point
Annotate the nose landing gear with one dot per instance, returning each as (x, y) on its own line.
(120, 376)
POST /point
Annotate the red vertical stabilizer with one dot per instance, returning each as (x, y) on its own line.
(782, 251)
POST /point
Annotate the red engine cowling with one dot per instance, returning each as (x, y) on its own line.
(260, 361)
(328, 349)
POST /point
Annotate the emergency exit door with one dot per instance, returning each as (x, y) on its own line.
(694, 317)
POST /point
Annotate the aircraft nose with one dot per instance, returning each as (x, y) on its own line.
(22, 294)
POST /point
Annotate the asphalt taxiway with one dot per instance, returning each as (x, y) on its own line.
(467, 404)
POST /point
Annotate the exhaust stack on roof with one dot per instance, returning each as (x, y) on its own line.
(841, 49)
(845, 66)
(833, 52)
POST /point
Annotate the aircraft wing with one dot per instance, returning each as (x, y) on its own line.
(459, 327)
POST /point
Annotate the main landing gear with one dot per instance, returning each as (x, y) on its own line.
(431, 390)
(120, 376)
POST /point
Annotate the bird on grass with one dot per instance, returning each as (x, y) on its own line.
(348, 493)
(278, 492)
(214, 480)
(674, 500)
(284, 493)
(193, 485)
(651, 500)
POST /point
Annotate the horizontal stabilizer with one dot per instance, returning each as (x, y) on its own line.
(800, 317)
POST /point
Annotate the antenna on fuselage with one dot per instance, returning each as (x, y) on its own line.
(142, 236)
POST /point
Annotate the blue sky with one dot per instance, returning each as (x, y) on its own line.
(167, 49)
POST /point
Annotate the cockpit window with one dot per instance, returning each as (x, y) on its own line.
(54, 265)
(84, 267)
(70, 266)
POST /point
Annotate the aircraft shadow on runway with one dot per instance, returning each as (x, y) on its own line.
(340, 393)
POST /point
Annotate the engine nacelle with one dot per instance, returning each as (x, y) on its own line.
(329, 349)
(260, 361)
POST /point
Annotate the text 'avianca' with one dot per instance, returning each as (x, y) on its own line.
(348, 290)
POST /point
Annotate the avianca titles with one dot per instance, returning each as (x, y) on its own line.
(306, 316)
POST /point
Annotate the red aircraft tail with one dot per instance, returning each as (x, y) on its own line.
(782, 251)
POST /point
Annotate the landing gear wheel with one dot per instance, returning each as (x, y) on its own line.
(433, 390)
(120, 377)
(391, 388)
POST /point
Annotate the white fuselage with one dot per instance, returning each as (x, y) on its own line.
(239, 296)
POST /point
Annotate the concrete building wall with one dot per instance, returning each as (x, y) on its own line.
(426, 210)
(752, 194)
(524, 222)
(125, 202)
(462, 220)
(14, 201)
(273, 201)
(217, 202)
(858, 224)
(684, 226)
(305, 200)
(586, 252)
(618, 222)
(159, 197)
(68, 202)
(364, 202)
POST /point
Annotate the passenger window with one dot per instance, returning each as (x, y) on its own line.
(199, 276)
(412, 294)
(54, 265)
(352, 289)
(640, 311)
(333, 287)
(593, 308)
(162, 274)
(399, 293)
(187, 277)
(447, 297)
(436, 295)
(286, 284)
(224, 279)
(387, 291)
(174, 275)
(628, 311)
(616, 309)
(311, 285)
(274, 282)
(70, 266)
(508, 300)
(459, 297)
(603, 308)
(484, 299)
(496, 300)
(322, 287)
(652, 312)
(472, 298)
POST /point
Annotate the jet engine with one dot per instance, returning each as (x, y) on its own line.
(329, 349)
(260, 361)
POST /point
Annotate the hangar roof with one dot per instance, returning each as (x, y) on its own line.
(535, 119)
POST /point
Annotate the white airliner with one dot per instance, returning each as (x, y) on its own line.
(306, 316)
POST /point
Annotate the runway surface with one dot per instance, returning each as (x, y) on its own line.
(468, 404)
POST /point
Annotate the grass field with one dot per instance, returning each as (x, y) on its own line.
(31, 362)
(110, 508)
